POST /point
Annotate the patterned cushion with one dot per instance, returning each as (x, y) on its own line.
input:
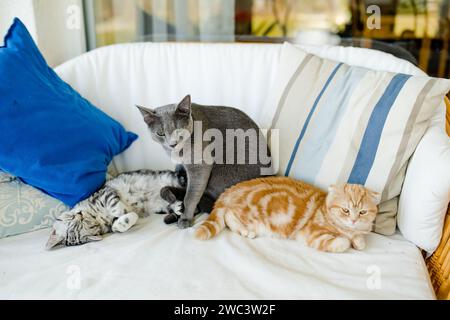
(24, 208)
(340, 123)
(5, 177)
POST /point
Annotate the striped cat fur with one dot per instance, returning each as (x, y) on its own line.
(290, 209)
(117, 206)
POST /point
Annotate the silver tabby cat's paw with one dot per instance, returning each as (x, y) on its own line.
(185, 223)
(125, 222)
(177, 208)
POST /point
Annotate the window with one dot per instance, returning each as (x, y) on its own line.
(212, 20)
(416, 30)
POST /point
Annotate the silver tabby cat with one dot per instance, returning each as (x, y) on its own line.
(116, 207)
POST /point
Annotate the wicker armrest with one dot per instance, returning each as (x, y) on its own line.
(439, 263)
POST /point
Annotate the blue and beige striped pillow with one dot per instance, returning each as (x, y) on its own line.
(338, 123)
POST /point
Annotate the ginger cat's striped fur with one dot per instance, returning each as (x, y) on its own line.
(290, 209)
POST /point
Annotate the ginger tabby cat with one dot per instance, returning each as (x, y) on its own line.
(290, 209)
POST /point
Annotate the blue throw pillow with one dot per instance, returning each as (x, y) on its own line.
(50, 136)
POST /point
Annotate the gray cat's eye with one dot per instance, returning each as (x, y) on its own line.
(160, 134)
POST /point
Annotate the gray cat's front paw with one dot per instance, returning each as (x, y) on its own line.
(184, 223)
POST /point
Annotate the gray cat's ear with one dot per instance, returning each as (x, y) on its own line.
(94, 238)
(148, 114)
(184, 107)
(54, 240)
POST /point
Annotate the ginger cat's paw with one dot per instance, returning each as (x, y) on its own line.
(339, 244)
(247, 234)
(359, 243)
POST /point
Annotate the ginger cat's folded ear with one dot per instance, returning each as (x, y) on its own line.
(376, 196)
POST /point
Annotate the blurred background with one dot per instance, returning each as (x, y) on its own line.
(416, 30)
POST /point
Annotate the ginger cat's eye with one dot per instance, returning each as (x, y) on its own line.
(363, 212)
(345, 210)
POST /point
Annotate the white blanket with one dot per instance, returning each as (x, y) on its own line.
(155, 261)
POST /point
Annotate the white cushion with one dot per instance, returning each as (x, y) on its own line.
(155, 261)
(341, 123)
(426, 191)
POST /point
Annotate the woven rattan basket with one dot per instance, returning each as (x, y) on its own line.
(439, 263)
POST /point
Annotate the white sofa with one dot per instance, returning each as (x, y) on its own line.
(157, 261)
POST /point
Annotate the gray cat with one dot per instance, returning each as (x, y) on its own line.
(207, 178)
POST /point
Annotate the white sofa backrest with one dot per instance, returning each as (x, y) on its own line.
(116, 78)
(155, 74)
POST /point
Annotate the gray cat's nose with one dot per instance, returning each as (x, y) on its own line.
(172, 145)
